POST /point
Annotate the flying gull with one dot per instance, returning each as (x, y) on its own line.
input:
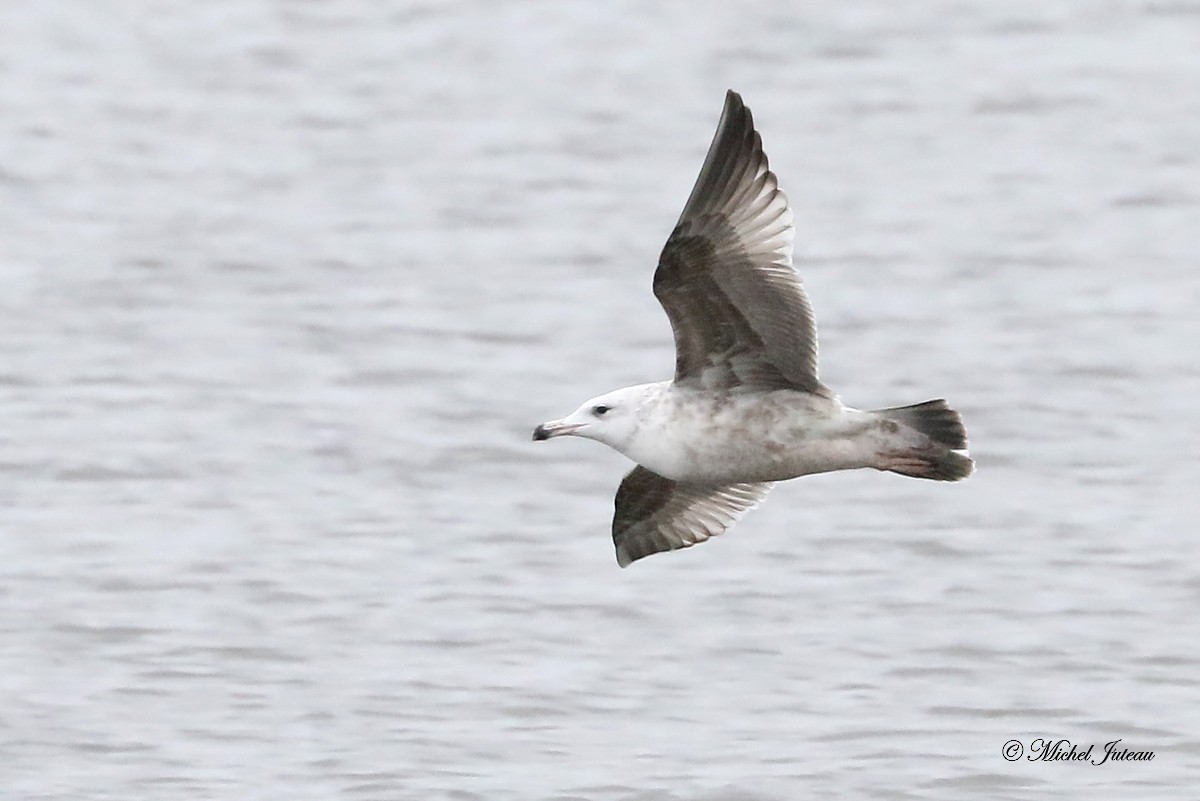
(745, 407)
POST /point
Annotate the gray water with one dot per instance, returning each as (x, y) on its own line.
(284, 287)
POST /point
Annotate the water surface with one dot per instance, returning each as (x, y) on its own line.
(286, 286)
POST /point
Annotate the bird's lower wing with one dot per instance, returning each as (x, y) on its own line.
(656, 514)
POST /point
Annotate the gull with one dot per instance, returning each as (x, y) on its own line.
(745, 407)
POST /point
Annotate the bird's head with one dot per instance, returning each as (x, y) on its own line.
(611, 418)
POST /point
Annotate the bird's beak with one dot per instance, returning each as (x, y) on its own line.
(555, 428)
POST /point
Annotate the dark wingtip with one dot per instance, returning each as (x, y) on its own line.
(735, 149)
(735, 109)
(540, 434)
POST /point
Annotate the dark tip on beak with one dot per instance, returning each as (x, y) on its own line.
(540, 434)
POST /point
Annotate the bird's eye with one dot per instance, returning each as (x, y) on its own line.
(600, 410)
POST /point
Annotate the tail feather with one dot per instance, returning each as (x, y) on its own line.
(935, 419)
(934, 462)
(937, 460)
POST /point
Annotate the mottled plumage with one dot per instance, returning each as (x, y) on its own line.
(745, 407)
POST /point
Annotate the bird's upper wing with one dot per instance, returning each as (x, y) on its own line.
(725, 277)
(656, 514)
